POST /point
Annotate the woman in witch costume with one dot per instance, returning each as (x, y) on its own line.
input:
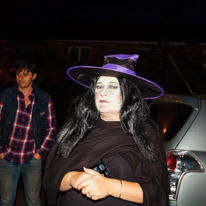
(110, 151)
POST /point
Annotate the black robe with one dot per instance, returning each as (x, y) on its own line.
(107, 141)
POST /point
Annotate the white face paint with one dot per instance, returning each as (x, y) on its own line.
(108, 98)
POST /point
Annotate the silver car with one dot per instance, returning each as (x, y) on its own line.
(182, 122)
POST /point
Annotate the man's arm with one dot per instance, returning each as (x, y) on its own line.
(51, 131)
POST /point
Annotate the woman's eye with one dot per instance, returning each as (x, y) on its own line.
(113, 87)
(98, 87)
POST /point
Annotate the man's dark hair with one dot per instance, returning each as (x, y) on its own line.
(22, 64)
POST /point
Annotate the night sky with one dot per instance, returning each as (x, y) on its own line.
(109, 19)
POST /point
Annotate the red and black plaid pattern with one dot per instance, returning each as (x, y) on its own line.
(22, 144)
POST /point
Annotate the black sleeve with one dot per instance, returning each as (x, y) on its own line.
(152, 177)
(54, 172)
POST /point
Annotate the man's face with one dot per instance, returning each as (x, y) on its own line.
(108, 98)
(24, 78)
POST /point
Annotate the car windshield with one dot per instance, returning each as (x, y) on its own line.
(170, 117)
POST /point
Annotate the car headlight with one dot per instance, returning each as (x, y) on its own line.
(180, 162)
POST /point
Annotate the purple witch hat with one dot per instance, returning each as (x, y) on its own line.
(117, 65)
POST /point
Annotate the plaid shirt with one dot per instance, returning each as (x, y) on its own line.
(22, 146)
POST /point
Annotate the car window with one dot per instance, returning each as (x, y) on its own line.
(170, 117)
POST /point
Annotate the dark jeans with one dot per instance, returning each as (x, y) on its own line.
(9, 177)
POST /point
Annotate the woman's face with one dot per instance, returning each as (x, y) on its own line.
(108, 98)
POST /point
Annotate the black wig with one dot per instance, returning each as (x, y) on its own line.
(134, 117)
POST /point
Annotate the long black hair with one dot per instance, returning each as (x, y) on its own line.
(82, 120)
(134, 117)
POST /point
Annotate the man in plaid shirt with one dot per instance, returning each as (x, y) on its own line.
(27, 131)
